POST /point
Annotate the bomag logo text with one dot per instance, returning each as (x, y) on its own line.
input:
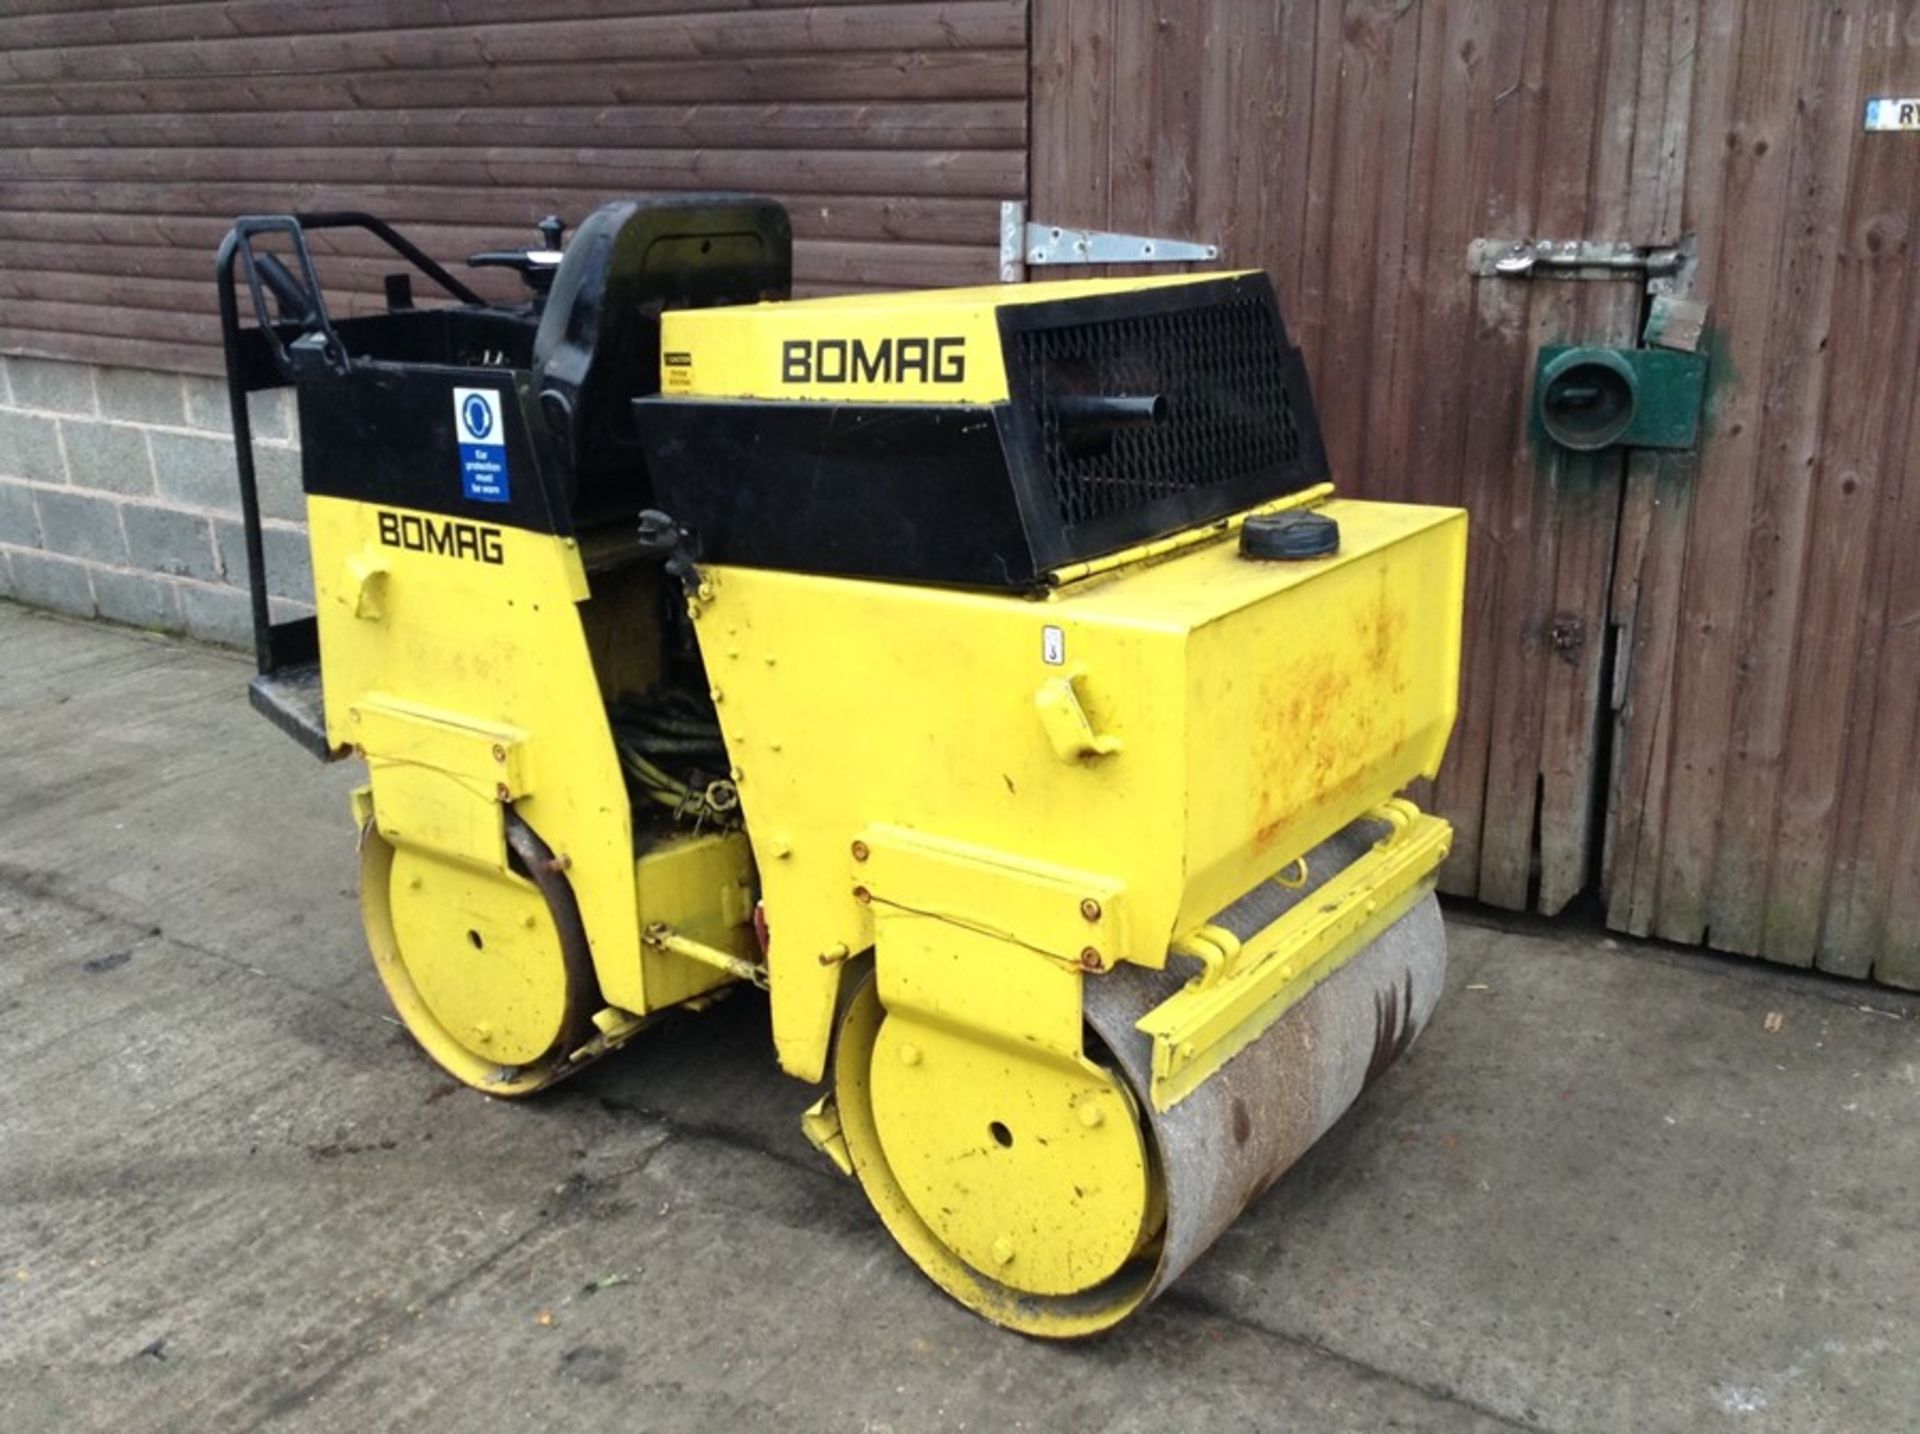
(928, 360)
(447, 536)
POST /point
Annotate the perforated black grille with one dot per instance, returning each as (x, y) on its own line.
(1222, 372)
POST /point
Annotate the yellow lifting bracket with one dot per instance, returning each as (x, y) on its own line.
(1246, 986)
(1076, 917)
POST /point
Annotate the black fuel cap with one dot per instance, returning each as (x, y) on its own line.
(1281, 536)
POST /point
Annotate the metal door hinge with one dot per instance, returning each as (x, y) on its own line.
(1024, 245)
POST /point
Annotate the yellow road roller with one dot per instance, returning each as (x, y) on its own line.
(989, 675)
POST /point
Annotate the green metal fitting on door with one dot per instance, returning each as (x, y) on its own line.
(1590, 396)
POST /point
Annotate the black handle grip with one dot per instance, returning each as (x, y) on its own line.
(296, 304)
(536, 267)
(520, 259)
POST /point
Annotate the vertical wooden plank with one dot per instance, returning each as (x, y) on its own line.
(1309, 291)
(1898, 960)
(1504, 47)
(1793, 379)
(1050, 97)
(1655, 167)
(1588, 507)
(1370, 151)
(1659, 501)
(1754, 156)
(1427, 285)
(1631, 546)
(1286, 169)
(1185, 43)
(1133, 115)
(1239, 73)
(1889, 863)
(1655, 515)
(1660, 139)
(1382, 312)
(1880, 789)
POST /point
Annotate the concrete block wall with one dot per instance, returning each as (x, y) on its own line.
(118, 499)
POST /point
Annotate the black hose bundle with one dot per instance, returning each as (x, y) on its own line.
(674, 756)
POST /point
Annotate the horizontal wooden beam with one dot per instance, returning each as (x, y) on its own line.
(742, 79)
(825, 124)
(949, 25)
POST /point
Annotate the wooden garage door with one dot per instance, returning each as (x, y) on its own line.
(1691, 680)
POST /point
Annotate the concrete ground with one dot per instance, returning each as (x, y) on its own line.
(1614, 1187)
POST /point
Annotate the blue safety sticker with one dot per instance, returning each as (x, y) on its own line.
(483, 444)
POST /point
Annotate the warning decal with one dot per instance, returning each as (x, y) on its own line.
(483, 445)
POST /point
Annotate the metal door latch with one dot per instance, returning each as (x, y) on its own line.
(1024, 244)
(1569, 259)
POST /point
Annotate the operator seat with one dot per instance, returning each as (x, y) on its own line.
(598, 345)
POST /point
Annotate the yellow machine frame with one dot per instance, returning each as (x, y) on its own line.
(855, 808)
